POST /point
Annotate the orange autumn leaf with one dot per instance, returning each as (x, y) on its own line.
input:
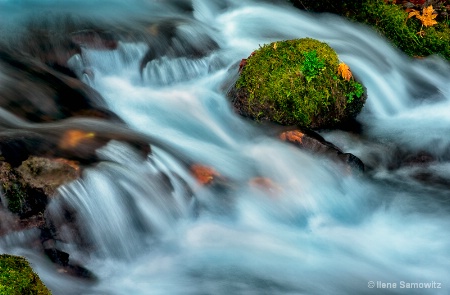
(204, 174)
(71, 138)
(427, 17)
(344, 71)
(292, 136)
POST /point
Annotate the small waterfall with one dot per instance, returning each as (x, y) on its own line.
(139, 203)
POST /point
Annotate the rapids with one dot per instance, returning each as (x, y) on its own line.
(322, 233)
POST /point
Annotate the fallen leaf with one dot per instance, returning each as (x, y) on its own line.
(427, 17)
(242, 64)
(292, 136)
(203, 174)
(71, 138)
(344, 71)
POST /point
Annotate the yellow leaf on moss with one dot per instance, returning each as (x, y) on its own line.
(344, 71)
(427, 17)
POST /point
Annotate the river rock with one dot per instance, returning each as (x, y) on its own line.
(177, 38)
(297, 82)
(312, 142)
(36, 93)
(28, 188)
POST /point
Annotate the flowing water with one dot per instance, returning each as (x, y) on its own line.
(318, 232)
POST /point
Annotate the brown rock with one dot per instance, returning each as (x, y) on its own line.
(27, 189)
(47, 174)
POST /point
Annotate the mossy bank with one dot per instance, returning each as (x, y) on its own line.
(18, 278)
(297, 82)
(392, 19)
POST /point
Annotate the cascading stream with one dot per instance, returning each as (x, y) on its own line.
(319, 232)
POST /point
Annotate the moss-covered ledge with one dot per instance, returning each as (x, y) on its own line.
(391, 19)
(18, 278)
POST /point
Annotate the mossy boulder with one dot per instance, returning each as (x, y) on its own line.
(18, 278)
(296, 82)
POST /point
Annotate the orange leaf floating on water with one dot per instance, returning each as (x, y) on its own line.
(344, 71)
(292, 136)
(72, 138)
(204, 174)
(427, 17)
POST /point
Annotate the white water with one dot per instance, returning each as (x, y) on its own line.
(321, 233)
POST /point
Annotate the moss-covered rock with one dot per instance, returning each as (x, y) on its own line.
(18, 278)
(296, 82)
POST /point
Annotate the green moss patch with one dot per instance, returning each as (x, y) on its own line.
(18, 278)
(296, 82)
(391, 20)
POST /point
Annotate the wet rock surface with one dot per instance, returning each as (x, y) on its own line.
(28, 188)
(312, 142)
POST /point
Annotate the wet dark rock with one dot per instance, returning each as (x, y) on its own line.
(62, 260)
(312, 142)
(53, 41)
(352, 161)
(95, 39)
(342, 7)
(177, 38)
(56, 256)
(33, 92)
(36, 93)
(79, 271)
(421, 158)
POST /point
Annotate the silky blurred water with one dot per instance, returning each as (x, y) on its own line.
(321, 231)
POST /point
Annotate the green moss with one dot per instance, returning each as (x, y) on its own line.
(13, 189)
(392, 21)
(18, 278)
(296, 82)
